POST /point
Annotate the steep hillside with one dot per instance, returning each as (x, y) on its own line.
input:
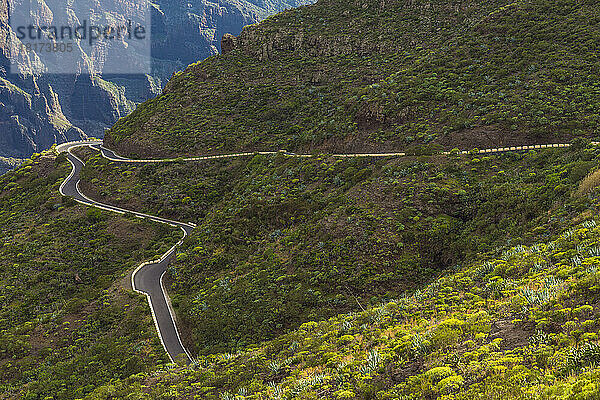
(428, 276)
(519, 323)
(517, 317)
(384, 75)
(283, 241)
(68, 321)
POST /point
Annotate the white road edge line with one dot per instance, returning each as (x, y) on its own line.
(92, 203)
(162, 286)
(341, 155)
(200, 158)
(168, 253)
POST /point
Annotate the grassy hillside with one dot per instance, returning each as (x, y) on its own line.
(368, 75)
(68, 321)
(282, 241)
(422, 277)
(517, 322)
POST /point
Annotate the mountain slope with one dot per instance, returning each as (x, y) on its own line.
(282, 241)
(315, 255)
(428, 276)
(516, 324)
(371, 75)
(68, 322)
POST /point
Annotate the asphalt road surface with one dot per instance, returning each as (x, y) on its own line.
(148, 277)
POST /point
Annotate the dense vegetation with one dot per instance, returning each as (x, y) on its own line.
(286, 240)
(367, 75)
(428, 276)
(517, 322)
(517, 319)
(68, 321)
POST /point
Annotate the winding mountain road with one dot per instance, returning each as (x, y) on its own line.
(113, 156)
(148, 277)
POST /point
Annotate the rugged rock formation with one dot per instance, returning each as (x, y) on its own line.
(266, 40)
(31, 118)
(37, 111)
(228, 43)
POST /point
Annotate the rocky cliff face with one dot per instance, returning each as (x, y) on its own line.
(350, 35)
(192, 31)
(31, 120)
(37, 111)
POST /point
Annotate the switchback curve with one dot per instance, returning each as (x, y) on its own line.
(148, 277)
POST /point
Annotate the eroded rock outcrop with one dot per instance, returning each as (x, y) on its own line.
(37, 111)
(228, 43)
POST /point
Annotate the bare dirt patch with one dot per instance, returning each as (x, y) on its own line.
(512, 335)
(486, 137)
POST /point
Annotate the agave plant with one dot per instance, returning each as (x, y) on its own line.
(341, 365)
(227, 396)
(346, 326)
(551, 281)
(592, 269)
(278, 392)
(170, 366)
(589, 224)
(486, 268)
(594, 251)
(294, 346)
(539, 338)
(418, 295)
(226, 356)
(301, 386)
(537, 297)
(569, 234)
(274, 367)
(317, 379)
(581, 249)
(377, 314)
(536, 248)
(373, 362)
(539, 267)
(433, 288)
(520, 249)
(542, 295)
(419, 345)
(580, 357)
